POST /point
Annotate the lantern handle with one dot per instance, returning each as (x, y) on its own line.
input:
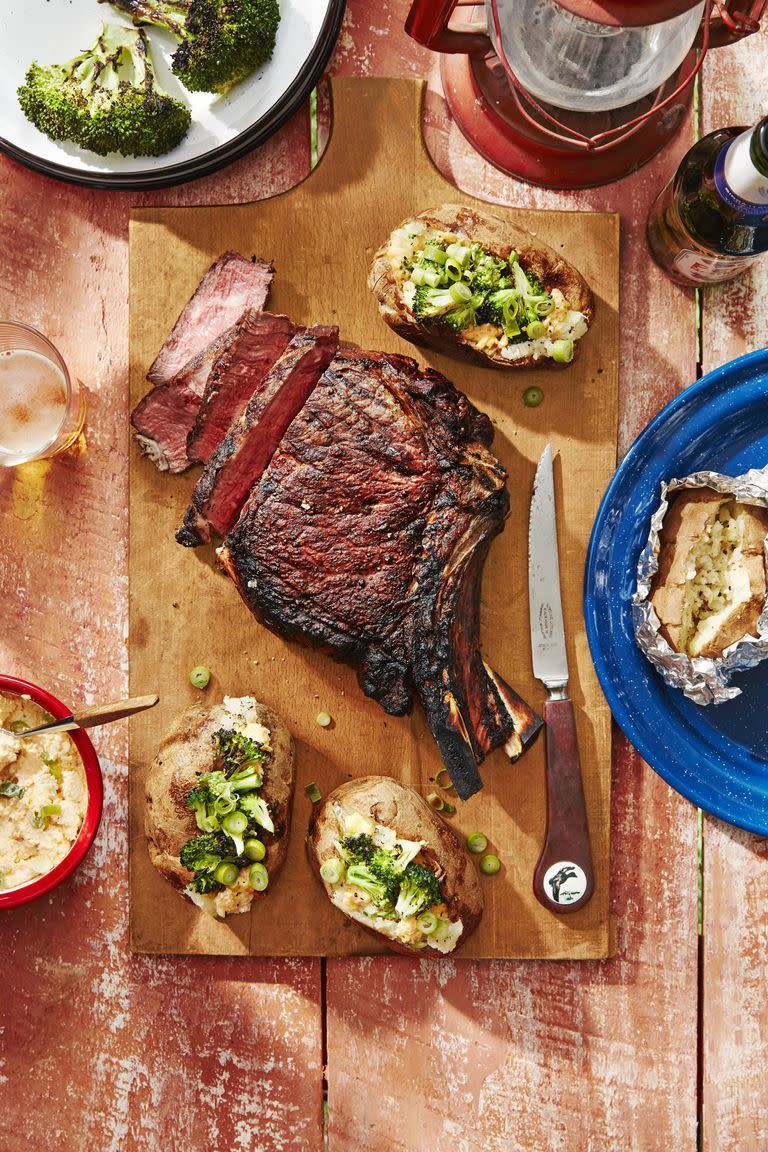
(427, 24)
(735, 19)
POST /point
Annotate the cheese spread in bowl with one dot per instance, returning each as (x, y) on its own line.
(48, 809)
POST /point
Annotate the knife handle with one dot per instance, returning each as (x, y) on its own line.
(96, 714)
(564, 879)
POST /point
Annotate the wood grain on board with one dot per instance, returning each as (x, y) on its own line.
(563, 1057)
(184, 612)
(735, 927)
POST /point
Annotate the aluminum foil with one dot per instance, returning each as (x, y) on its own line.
(703, 680)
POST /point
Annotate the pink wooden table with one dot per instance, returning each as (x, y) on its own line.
(661, 1046)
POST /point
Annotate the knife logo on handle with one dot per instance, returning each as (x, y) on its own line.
(564, 879)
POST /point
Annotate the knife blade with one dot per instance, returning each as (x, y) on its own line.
(550, 662)
(564, 878)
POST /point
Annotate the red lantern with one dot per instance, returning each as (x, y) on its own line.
(573, 93)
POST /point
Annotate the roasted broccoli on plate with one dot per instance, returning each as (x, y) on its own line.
(221, 41)
(106, 99)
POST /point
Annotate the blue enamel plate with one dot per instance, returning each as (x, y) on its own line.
(717, 756)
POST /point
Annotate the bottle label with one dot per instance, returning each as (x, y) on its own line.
(703, 269)
(738, 181)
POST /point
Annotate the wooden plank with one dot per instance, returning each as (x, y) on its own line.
(735, 940)
(100, 1049)
(520, 1058)
(321, 238)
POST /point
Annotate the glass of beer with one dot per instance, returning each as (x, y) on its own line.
(42, 408)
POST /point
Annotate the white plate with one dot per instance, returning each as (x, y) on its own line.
(223, 127)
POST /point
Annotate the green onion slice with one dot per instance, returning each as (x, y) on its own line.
(313, 792)
(477, 842)
(226, 874)
(490, 865)
(460, 292)
(332, 870)
(258, 877)
(562, 351)
(436, 801)
(18, 726)
(254, 849)
(200, 676)
(50, 810)
(443, 780)
(532, 397)
(235, 823)
(448, 809)
(435, 253)
(427, 923)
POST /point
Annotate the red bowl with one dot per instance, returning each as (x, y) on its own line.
(95, 790)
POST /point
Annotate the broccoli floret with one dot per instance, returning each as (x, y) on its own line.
(431, 303)
(106, 99)
(204, 882)
(256, 810)
(235, 751)
(203, 853)
(357, 849)
(488, 274)
(222, 41)
(465, 314)
(383, 893)
(201, 803)
(419, 890)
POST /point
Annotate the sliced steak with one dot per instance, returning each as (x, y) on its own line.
(366, 535)
(166, 415)
(230, 286)
(241, 457)
(259, 339)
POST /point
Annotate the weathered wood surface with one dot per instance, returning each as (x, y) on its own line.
(735, 938)
(510, 1057)
(99, 1048)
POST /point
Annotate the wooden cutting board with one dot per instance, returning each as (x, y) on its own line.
(184, 612)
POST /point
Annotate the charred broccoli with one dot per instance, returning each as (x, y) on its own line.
(382, 891)
(221, 41)
(239, 755)
(106, 99)
(419, 890)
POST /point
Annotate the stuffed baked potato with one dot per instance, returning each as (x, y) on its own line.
(710, 588)
(390, 863)
(468, 283)
(218, 803)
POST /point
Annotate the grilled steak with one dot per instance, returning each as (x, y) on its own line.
(366, 535)
(166, 416)
(259, 339)
(230, 286)
(279, 392)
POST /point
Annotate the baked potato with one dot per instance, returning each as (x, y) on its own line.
(222, 783)
(390, 863)
(710, 588)
(470, 284)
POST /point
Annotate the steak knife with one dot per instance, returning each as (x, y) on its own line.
(564, 878)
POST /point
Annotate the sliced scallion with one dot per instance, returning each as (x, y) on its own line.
(436, 801)
(562, 351)
(443, 780)
(332, 870)
(427, 923)
(254, 849)
(226, 874)
(258, 877)
(460, 292)
(489, 865)
(477, 842)
(313, 792)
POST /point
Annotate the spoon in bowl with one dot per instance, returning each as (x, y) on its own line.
(93, 715)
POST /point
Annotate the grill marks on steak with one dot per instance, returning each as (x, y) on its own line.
(366, 535)
(279, 393)
(258, 339)
(230, 286)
